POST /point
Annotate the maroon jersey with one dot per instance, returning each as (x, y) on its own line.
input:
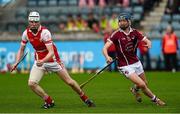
(126, 45)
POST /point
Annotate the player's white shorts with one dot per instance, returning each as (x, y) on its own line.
(37, 72)
(133, 68)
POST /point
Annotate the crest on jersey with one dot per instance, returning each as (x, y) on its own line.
(128, 38)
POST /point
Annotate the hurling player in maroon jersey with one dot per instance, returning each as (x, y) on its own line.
(126, 41)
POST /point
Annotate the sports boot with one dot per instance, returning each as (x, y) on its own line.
(89, 103)
(48, 105)
(159, 102)
(136, 94)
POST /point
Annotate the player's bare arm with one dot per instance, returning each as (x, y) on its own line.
(105, 52)
(148, 42)
(19, 55)
(48, 56)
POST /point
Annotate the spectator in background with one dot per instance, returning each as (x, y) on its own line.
(93, 23)
(125, 3)
(71, 25)
(77, 63)
(111, 49)
(114, 2)
(62, 26)
(3, 63)
(102, 3)
(81, 63)
(148, 4)
(172, 7)
(80, 23)
(144, 55)
(82, 3)
(169, 49)
(113, 22)
(91, 4)
(96, 28)
(103, 23)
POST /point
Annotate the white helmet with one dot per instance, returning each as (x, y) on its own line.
(34, 16)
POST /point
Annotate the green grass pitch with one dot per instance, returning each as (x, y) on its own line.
(110, 92)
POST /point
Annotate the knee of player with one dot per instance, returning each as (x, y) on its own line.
(32, 84)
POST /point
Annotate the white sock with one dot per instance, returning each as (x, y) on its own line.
(153, 98)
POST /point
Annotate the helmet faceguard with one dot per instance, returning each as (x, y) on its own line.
(124, 16)
(34, 16)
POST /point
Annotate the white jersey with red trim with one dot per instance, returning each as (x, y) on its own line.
(39, 42)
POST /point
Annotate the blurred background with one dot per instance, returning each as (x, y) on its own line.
(80, 29)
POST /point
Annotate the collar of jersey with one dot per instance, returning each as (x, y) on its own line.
(125, 32)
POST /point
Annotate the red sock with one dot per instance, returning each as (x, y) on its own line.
(48, 99)
(83, 96)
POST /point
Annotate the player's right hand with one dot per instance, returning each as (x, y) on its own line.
(39, 63)
(109, 59)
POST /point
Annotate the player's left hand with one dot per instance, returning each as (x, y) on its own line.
(39, 63)
(148, 45)
(109, 59)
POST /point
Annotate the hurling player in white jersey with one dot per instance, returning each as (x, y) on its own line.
(126, 40)
(46, 59)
